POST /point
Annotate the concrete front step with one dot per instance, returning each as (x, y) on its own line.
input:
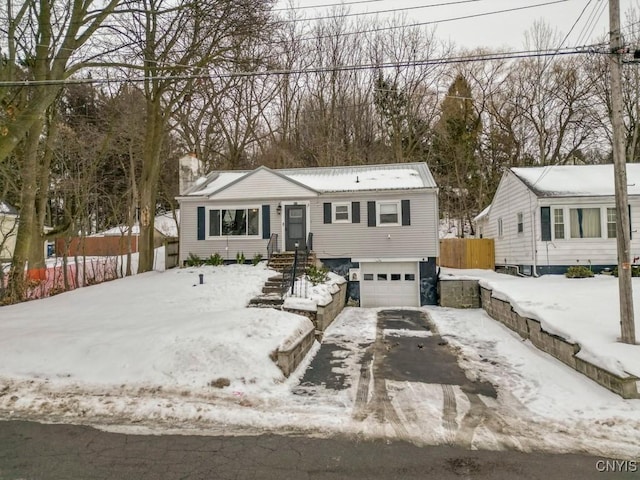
(267, 301)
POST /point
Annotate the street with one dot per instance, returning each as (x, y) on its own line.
(31, 451)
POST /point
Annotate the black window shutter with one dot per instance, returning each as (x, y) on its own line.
(327, 213)
(371, 214)
(630, 227)
(201, 223)
(406, 212)
(545, 223)
(266, 221)
(355, 212)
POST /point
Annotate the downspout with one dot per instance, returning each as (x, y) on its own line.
(533, 236)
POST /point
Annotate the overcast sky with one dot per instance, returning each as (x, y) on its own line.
(496, 30)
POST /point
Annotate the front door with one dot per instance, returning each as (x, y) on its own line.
(295, 226)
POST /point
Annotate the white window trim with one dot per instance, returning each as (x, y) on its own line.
(566, 209)
(334, 208)
(519, 221)
(399, 210)
(233, 237)
(500, 228)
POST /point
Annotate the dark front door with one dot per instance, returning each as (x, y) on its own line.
(295, 226)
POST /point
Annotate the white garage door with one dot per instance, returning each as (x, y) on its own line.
(389, 284)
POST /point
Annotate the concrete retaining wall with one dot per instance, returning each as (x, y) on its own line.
(325, 314)
(626, 387)
(456, 293)
(288, 360)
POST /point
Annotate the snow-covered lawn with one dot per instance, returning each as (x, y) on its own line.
(151, 330)
(144, 354)
(581, 310)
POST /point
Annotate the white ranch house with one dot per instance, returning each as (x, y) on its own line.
(378, 225)
(545, 219)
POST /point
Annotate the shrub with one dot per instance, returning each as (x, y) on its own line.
(317, 275)
(578, 271)
(635, 271)
(193, 261)
(257, 258)
(240, 259)
(214, 260)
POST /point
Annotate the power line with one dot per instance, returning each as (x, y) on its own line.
(316, 70)
(391, 10)
(432, 22)
(302, 7)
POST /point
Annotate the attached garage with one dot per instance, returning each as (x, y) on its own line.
(389, 284)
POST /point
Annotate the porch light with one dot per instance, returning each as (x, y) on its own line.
(279, 209)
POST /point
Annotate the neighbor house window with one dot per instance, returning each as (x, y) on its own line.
(234, 222)
(585, 223)
(499, 227)
(558, 223)
(611, 223)
(341, 212)
(388, 213)
(520, 217)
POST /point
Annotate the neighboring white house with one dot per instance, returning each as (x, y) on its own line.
(379, 224)
(545, 219)
(8, 230)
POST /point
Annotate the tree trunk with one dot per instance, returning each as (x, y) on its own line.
(27, 221)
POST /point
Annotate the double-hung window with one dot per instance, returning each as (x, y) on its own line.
(520, 219)
(611, 223)
(558, 223)
(234, 222)
(389, 213)
(341, 212)
(500, 228)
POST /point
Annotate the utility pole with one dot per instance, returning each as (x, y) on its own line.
(623, 228)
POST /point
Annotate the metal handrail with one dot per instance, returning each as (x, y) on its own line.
(272, 246)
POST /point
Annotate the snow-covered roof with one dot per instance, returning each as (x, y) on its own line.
(482, 214)
(395, 176)
(576, 180)
(165, 224)
(7, 209)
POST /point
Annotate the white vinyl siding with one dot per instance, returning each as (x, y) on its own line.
(512, 197)
(586, 251)
(344, 240)
(228, 247)
(264, 184)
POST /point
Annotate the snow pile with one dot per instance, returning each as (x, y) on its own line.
(316, 295)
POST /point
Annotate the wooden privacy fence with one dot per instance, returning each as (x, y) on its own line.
(96, 246)
(467, 253)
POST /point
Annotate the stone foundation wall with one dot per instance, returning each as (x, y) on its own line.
(502, 311)
(456, 293)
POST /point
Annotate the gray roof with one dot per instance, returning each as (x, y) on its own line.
(392, 176)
